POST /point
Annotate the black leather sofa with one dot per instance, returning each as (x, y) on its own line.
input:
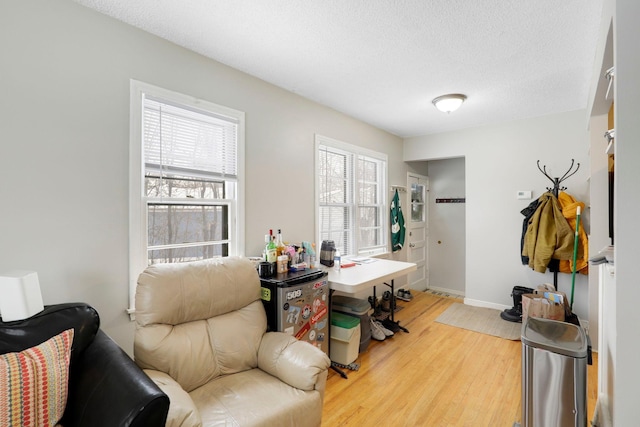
(106, 388)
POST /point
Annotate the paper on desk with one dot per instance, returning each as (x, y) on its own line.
(362, 260)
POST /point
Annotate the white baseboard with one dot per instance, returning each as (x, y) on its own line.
(602, 416)
(478, 303)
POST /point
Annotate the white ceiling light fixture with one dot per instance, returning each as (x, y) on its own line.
(450, 102)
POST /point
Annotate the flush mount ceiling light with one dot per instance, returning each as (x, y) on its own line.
(450, 102)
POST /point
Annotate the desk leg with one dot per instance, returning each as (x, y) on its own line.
(373, 301)
(392, 318)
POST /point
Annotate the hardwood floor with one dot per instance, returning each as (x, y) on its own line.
(435, 375)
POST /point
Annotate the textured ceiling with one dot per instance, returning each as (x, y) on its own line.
(383, 61)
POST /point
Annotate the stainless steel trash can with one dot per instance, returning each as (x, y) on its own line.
(554, 374)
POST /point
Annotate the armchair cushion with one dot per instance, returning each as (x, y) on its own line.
(194, 353)
(34, 383)
(182, 411)
(184, 292)
(295, 362)
(255, 398)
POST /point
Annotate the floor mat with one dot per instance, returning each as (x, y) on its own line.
(480, 319)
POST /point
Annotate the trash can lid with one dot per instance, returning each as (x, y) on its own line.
(344, 320)
(555, 336)
(350, 304)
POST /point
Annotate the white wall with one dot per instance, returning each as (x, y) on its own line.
(621, 336)
(599, 213)
(64, 126)
(447, 226)
(627, 206)
(500, 160)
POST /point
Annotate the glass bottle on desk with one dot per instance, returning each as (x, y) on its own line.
(271, 249)
(281, 248)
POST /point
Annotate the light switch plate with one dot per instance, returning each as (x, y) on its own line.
(524, 195)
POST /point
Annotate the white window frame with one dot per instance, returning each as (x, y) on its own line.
(357, 151)
(138, 238)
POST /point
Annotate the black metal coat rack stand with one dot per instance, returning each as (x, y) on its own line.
(555, 190)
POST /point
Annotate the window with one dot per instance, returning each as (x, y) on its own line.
(351, 197)
(186, 179)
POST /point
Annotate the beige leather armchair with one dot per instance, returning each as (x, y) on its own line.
(201, 336)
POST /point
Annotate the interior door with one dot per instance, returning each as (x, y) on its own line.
(417, 230)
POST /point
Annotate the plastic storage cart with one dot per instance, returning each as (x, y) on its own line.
(554, 374)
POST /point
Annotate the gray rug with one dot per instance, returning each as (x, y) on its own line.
(480, 319)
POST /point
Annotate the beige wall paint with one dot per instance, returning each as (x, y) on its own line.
(500, 160)
(64, 107)
(447, 226)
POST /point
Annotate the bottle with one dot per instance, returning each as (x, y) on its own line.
(281, 248)
(272, 251)
(283, 265)
(312, 256)
(265, 251)
(336, 260)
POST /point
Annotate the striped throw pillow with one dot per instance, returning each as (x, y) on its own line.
(33, 383)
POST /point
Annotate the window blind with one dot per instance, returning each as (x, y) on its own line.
(336, 197)
(351, 199)
(181, 141)
(371, 203)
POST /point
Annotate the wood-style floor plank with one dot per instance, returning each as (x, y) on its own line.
(435, 375)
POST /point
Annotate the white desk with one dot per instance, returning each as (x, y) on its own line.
(363, 276)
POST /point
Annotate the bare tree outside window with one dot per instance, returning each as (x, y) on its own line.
(189, 167)
(202, 228)
(351, 199)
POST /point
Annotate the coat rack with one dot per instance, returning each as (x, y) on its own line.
(556, 181)
(555, 190)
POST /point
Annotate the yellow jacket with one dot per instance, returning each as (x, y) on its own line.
(548, 235)
(569, 207)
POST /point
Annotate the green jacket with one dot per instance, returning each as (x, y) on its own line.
(397, 224)
(548, 235)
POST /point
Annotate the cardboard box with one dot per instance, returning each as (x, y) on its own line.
(544, 305)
